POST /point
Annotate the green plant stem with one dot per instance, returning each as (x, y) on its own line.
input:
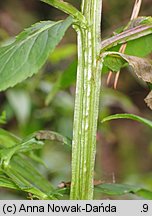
(86, 102)
(68, 9)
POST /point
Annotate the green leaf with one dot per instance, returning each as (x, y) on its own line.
(32, 142)
(128, 35)
(22, 175)
(69, 76)
(18, 167)
(3, 118)
(25, 56)
(141, 66)
(114, 63)
(128, 116)
(7, 182)
(137, 34)
(14, 96)
(122, 189)
(25, 145)
(8, 139)
(62, 52)
(25, 169)
(140, 47)
(145, 194)
(64, 81)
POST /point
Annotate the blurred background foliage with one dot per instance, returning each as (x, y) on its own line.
(46, 101)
